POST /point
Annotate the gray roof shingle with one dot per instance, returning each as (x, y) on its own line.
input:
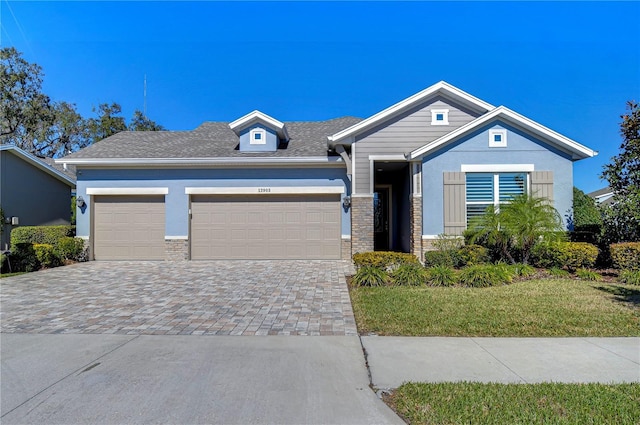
(212, 140)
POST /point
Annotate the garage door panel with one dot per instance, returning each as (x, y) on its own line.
(265, 227)
(129, 227)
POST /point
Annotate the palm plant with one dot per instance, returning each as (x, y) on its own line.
(517, 227)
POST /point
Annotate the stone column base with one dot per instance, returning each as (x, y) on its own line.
(176, 249)
(361, 223)
(345, 249)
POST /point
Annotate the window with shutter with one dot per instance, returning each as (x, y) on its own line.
(485, 189)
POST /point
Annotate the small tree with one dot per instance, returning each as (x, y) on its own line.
(517, 227)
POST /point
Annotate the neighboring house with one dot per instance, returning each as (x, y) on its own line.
(258, 188)
(32, 192)
(602, 196)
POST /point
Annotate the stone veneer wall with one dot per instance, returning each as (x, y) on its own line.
(176, 249)
(415, 216)
(345, 249)
(361, 223)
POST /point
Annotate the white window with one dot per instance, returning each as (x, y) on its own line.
(486, 189)
(258, 136)
(439, 117)
(497, 138)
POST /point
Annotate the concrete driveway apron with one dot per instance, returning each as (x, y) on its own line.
(182, 298)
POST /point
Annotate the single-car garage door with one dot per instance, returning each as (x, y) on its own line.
(129, 227)
(265, 227)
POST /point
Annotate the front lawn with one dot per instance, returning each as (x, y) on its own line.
(535, 308)
(548, 403)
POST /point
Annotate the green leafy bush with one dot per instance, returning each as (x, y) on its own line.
(409, 274)
(40, 235)
(370, 276)
(47, 256)
(441, 258)
(522, 270)
(572, 255)
(626, 255)
(71, 249)
(386, 260)
(485, 275)
(586, 274)
(630, 277)
(472, 254)
(441, 276)
(558, 273)
(23, 258)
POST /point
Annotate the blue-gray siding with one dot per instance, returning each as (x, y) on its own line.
(32, 195)
(473, 150)
(405, 133)
(177, 202)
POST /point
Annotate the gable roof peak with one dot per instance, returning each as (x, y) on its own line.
(441, 87)
(255, 117)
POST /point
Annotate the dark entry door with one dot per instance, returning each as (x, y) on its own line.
(381, 232)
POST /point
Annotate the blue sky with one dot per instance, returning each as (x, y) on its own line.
(568, 65)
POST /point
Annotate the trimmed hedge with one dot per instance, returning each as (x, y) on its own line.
(572, 255)
(47, 255)
(386, 260)
(626, 255)
(23, 258)
(473, 254)
(441, 258)
(41, 235)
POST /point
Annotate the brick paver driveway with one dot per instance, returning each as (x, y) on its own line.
(166, 298)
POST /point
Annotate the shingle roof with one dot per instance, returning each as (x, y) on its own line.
(213, 140)
(69, 171)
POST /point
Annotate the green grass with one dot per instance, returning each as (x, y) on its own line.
(548, 403)
(3, 275)
(535, 308)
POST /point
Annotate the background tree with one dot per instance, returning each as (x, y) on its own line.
(33, 122)
(139, 122)
(585, 212)
(622, 218)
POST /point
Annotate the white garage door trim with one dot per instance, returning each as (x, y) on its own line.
(127, 191)
(263, 190)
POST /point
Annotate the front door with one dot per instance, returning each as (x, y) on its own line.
(381, 218)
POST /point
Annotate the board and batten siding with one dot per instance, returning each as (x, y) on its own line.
(405, 133)
(542, 184)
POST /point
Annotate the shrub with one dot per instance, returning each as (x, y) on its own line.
(448, 242)
(572, 255)
(585, 274)
(441, 276)
(558, 273)
(386, 260)
(409, 274)
(23, 258)
(485, 275)
(630, 277)
(626, 255)
(47, 256)
(522, 270)
(370, 276)
(40, 235)
(472, 254)
(440, 258)
(71, 249)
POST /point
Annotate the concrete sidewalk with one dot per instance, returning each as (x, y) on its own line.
(116, 379)
(394, 360)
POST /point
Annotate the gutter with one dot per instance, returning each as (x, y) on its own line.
(220, 162)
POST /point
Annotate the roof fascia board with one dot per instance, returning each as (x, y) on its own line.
(257, 116)
(172, 162)
(578, 151)
(441, 87)
(39, 164)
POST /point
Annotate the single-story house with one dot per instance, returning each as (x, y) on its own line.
(259, 188)
(32, 192)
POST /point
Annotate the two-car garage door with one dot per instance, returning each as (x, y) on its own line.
(222, 227)
(265, 227)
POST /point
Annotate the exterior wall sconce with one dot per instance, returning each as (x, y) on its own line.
(80, 202)
(346, 201)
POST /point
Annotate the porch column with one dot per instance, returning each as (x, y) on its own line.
(415, 216)
(361, 223)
